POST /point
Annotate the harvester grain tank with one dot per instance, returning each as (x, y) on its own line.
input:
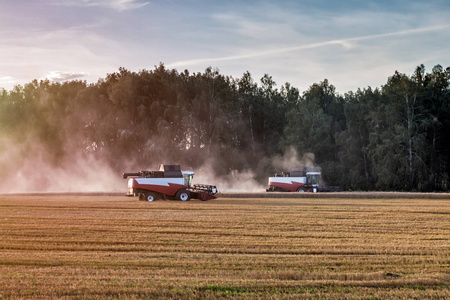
(169, 182)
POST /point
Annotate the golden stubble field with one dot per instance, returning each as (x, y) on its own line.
(100, 246)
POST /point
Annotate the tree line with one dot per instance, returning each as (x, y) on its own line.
(396, 137)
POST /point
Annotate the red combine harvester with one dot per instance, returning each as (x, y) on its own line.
(307, 180)
(167, 183)
(295, 181)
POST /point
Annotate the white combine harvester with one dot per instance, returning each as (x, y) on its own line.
(167, 183)
(295, 181)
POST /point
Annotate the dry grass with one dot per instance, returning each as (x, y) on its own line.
(105, 246)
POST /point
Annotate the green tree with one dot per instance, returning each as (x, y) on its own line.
(314, 125)
(398, 138)
(354, 141)
(436, 100)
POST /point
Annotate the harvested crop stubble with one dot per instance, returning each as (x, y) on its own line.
(87, 246)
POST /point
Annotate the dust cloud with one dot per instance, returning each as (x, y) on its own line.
(27, 167)
(233, 182)
(290, 161)
(80, 175)
(246, 181)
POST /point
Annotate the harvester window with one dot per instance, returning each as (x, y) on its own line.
(312, 179)
(188, 180)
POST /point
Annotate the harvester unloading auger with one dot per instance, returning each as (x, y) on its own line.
(167, 183)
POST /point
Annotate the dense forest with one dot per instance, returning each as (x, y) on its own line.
(396, 137)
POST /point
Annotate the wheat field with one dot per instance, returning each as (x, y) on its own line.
(111, 246)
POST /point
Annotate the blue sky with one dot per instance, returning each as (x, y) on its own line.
(354, 44)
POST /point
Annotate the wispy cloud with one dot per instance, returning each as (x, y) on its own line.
(119, 5)
(59, 55)
(6, 81)
(347, 43)
(58, 76)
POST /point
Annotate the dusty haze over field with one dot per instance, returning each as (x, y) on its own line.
(30, 170)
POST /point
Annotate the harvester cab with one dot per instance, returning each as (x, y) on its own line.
(188, 178)
(313, 179)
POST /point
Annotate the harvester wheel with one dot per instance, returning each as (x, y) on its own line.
(183, 195)
(150, 197)
(300, 190)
